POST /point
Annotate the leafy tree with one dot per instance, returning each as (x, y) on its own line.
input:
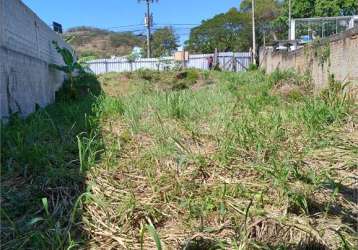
(227, 32)
(164, 42)
(131, 58)
(336, 7)
(314, 8)
(327, 8)
(266, 11)
(232, 30)
(349, 7)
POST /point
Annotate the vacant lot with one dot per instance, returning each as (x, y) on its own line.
(184, 160)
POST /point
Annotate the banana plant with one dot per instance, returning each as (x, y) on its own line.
(71, 65)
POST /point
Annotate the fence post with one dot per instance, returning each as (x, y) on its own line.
(106, 65)
(251, 56)
(216, 56)
(184, 59)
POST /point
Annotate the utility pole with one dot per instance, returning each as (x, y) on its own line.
(148, 22)
(253, 32)
(289, 19)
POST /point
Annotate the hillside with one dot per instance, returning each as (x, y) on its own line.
(89, 41)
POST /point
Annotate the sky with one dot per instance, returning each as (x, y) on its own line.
(113, 14)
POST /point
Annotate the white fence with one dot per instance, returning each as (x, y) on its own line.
(228, 61)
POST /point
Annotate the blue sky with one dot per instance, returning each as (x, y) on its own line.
(114, 13)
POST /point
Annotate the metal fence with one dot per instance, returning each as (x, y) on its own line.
(228, 61)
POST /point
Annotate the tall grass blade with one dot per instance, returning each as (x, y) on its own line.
(45, 205)
(153, 232)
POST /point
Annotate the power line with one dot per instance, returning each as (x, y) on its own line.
(177, 24)
(118, 27)
(125, 26)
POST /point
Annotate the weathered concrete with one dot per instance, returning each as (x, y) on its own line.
(336, 56)
(26, 51)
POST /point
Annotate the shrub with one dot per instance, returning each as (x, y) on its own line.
(192, 76)
(148, 75)
(252, 67)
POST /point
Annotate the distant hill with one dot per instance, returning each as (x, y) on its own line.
(89, 41)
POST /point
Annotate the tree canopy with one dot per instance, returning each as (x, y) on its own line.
(164, 42)
(314, 8)
(232, 30)
(228, 31)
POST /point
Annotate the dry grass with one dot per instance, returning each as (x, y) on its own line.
(227, 162)
(171, 174)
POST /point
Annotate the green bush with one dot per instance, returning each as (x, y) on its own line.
(252, 67)
(192, 76)
(189, 76)
(148, 75)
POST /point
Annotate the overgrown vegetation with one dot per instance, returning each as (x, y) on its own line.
(42, 174)
(69, 68)
(228, 162)
(322, 51)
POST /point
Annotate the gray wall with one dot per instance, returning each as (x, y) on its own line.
(342, 61)
(26, 51)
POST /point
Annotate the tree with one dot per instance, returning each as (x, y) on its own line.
(314, 8)
(164, 42)
(232, 30)
(131, 58)
(71, 65)
(336, 7)
(226, 32)
(266, 11)
(320, 8)
(349, 7)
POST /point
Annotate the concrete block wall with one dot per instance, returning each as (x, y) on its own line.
(26, 50)
(342, 61)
